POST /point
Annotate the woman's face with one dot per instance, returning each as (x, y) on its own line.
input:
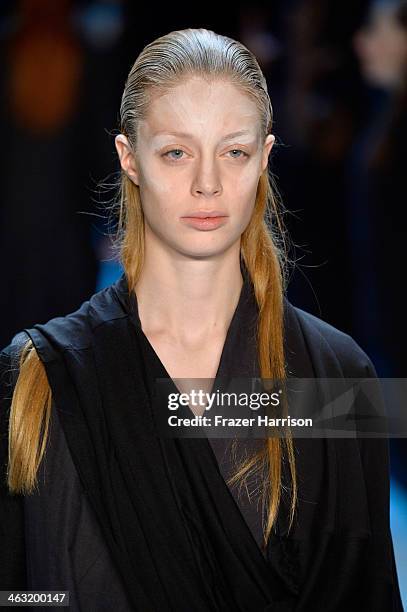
(199, 150)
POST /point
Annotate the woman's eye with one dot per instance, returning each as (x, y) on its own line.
(177, 154)
(238, 153)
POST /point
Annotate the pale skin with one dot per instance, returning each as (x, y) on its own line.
(191, 279)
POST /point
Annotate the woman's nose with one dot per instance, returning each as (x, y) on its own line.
(207, 181)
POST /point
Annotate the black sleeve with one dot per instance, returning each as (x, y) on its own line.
(12, 545)
(333, 351)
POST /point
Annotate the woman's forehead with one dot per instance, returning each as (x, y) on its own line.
(196, 107)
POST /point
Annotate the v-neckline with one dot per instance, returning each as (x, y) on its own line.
(134, 315)
(204, 447)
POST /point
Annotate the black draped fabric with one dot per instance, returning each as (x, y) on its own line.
(135, 521)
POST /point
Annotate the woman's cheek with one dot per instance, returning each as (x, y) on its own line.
(245, 183)
(156, 183)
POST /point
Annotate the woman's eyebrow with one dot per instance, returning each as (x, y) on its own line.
(230, 136)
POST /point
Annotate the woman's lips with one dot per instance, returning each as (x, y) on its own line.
(205, 223)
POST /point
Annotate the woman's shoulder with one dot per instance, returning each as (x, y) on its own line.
(74, 329)
(325, 342)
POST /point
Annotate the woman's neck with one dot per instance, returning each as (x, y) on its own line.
(188, 301)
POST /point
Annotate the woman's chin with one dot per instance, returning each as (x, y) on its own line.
(203, 247)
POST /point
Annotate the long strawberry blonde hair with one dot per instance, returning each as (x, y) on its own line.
(162, 64)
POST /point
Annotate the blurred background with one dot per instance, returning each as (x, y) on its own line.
(337, 76)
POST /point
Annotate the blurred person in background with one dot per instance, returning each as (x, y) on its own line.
(378, 198)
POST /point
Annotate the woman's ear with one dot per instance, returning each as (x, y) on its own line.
(268, 145)
(126, 157)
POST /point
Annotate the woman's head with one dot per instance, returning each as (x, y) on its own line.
(195, 136)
